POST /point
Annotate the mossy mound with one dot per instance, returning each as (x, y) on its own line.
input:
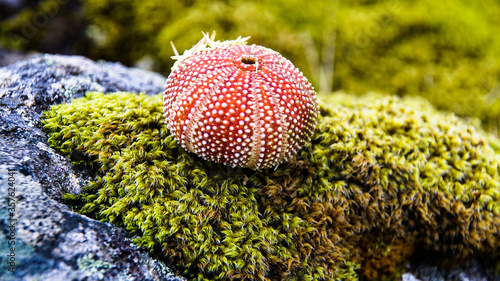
(379, 178)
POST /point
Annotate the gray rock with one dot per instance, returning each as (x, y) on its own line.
(470, 271)
(30, 87)
(51, 241)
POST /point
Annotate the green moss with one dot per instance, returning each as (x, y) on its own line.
(380, 177)
(420, 48)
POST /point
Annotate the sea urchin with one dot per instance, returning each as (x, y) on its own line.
(241, 105)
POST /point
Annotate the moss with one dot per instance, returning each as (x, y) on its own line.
(380, 177)
(419, 48)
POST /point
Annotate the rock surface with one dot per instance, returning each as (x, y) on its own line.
(30, 87)
(469, 271)
(52, 242)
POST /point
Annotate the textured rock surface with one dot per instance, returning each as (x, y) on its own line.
(29, 87)
(53, 243)
(470, 271)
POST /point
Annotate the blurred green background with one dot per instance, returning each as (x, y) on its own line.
(445, 51)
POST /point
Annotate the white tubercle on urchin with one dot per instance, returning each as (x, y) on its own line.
(241, 105)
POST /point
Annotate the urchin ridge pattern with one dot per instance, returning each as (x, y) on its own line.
(242, 105)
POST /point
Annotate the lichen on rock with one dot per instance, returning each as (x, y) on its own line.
(379, 178)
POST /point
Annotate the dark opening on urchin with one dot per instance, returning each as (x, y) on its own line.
(248, 60)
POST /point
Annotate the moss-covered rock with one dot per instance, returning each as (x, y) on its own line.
(380, 177)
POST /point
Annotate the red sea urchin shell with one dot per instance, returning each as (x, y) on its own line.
(244, 106)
